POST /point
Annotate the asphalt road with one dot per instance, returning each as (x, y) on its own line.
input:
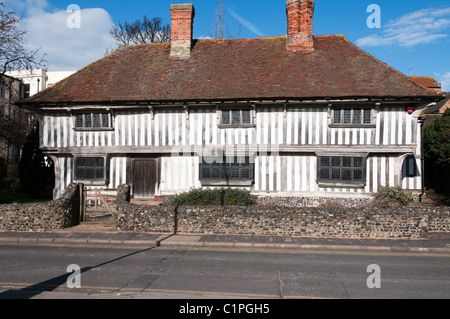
(41, 272)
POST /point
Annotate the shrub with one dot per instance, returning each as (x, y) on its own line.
(213, 197)
(392, 197)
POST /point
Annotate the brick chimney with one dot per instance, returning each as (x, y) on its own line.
(300, 25)
(182, 30)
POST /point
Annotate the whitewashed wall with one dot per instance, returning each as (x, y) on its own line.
(299, 126)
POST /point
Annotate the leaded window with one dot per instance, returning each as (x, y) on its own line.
(341, 169)
(352, 116)
(236, 117)
(226, 168)
(89, 168)
(93, 121)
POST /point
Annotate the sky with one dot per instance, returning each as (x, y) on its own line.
(412, 36)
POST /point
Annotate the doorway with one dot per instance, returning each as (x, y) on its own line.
(144, 172)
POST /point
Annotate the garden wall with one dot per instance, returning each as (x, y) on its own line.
(414, 223)
(61, 213)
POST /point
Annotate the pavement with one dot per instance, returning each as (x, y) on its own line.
(435, 243)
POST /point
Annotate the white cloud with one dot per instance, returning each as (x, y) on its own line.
(419, 27)
(66, 48)
(444, 79)
(246, 23)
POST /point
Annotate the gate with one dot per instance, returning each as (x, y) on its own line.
(98, 207)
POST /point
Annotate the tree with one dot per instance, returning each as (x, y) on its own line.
(436, 138)
(13, 54)
(221, 28)
(141, 31)
(36, 172)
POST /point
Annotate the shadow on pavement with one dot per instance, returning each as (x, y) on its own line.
(54, 283)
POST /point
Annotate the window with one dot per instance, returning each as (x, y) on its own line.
(341, 169)
(90, 168)
(410, 166)
(236, 117)
(226, 169)
(26, 90)
(352, 116)
(3, 90)
(93, 121)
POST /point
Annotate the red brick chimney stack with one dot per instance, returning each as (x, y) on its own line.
(300, 25)
(182, 30)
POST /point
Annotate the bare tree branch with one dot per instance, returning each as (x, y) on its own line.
(13, 54)
(221, 28)
(14, 123)
(141, 31)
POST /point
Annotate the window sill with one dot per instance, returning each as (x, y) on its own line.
(99, 129)
(92, 182)
(219, 182)
(352, 125)
(341, 184)
(237, 126)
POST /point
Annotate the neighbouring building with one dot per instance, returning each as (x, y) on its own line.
(428, 82)
(37, 80)
(295, 115)
(15, 122)
(12, 119)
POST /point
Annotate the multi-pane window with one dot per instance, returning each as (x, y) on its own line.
(226, 168)
(341, 169)
(89, 168)
(236, 116)
(92, 121)
(352, 116)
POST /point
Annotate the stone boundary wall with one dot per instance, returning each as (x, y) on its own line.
(400, 223)
(44, 216)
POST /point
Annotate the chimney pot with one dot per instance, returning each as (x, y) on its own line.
(300, 25)
(181, 30)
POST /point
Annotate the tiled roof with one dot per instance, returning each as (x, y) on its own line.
(426, 81)
(259, 68)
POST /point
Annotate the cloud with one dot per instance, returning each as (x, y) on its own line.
(419, 27)
(444, 79)
(66, 47)
(246, 23)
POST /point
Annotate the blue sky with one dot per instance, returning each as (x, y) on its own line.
(414, 36)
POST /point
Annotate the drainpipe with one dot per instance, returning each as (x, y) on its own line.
(422, 158)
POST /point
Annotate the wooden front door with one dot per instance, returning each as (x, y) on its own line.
(144, 174)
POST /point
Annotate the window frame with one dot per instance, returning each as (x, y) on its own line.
(103, 180)
(344, 109)
(352, 168)
(232, 109)
(91, 115)
(222, 163)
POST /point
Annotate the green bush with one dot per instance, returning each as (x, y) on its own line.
(213, 197)
(15, 186)
(392, 197)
